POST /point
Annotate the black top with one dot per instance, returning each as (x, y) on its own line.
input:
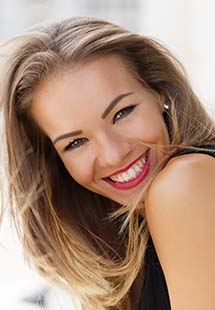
(155, 294)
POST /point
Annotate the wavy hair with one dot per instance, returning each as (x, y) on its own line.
(91, 246)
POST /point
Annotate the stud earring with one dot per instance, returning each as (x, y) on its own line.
(166, 106)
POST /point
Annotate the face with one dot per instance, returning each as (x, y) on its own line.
(98, 117)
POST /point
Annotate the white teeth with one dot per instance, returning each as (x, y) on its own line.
(125, 176)
(132, 172)
(140, 165)
(137, 168)
(142, 162)
(121, 179)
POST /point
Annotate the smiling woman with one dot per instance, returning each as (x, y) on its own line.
(95, 120)
(103, 114)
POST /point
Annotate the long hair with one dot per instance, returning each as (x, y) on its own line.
(89, 245)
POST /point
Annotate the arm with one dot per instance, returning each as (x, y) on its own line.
(180, 210)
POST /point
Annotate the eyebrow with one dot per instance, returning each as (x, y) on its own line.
(109, 108)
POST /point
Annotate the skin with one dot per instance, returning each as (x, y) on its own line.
(180, 214)
(75, 99)
(180, 218)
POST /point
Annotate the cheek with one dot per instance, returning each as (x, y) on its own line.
(145, 128)
(80, 170)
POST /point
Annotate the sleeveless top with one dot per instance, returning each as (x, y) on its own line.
(154, 295)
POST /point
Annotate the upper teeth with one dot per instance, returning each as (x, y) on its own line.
(131, 173)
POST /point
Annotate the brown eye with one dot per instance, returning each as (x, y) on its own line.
(75, 144)
(123, 113)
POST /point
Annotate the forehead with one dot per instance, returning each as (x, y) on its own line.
(102, 70)
(66, 97)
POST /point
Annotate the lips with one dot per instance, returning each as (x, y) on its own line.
(132, 183)
(131, 164)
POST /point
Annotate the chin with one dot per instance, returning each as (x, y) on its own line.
(123, 202)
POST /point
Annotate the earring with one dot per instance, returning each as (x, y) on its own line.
(166, 106)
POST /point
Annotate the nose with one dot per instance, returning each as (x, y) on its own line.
(112, 150)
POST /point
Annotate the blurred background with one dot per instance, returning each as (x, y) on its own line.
(185, 27)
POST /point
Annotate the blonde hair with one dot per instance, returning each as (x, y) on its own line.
(77, 239)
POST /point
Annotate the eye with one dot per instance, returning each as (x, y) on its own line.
(75, 144)
(123, 113)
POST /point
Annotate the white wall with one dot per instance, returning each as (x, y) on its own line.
(187, 28)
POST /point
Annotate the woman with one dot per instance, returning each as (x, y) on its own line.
(95, 120)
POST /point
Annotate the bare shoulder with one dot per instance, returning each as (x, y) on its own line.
(180, 211)
(186, 170)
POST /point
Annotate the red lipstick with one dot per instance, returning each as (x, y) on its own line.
(137, 180)
(126, 168)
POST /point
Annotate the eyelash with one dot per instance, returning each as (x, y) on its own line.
(123, 112)
(126, 110)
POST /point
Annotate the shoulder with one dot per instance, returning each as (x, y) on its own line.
(182, 176)
(180, 211)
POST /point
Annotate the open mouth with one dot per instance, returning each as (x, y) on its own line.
(135, 174)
